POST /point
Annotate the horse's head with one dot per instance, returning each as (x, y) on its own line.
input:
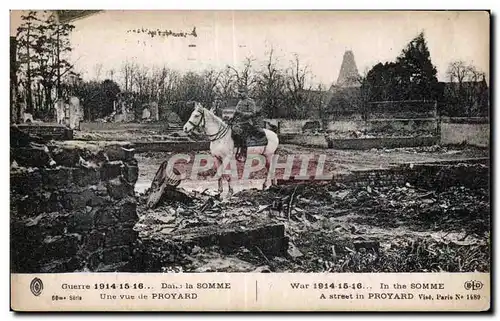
(196, 120)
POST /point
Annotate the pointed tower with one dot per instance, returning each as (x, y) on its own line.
(348, 76)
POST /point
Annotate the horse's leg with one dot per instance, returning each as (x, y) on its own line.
(218, 163)
(268, 166)
(230, 188)
(269, 153)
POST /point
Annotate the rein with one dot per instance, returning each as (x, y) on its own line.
(222, 131)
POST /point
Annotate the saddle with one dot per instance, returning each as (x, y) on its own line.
(252, 137)
(255, 136)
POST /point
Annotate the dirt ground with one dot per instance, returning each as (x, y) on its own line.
(333, 227)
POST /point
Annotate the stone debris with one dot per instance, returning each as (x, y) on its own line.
(73, 207)
(364, 221)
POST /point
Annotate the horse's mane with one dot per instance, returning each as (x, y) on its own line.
(211, 113)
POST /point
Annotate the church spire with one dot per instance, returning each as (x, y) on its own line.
(348, 76)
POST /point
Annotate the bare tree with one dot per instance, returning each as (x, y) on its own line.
(271, 86)
(111, 74)
(141, 79)
(26, 38)
(211, 79)
(97, 71)
(459, 72)
(158, 82)
(246, 76)
(43, 52)
(169, 81)
(319, 102)
(466, 86)
(297, 88)
(226, 83)
(128, 70)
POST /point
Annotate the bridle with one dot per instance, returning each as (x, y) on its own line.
(222, 131)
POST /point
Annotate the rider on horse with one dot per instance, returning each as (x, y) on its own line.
(246, 119)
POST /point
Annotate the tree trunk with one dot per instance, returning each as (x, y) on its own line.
(29, 97)
(48, 96)
(14, 103)
(39, 97)
(58, 53)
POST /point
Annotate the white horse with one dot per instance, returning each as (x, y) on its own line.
(222, 144)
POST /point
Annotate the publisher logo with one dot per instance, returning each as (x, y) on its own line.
(36, 286)
(473, 285)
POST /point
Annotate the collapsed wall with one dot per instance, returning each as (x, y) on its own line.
(440, 176)
(73, 207)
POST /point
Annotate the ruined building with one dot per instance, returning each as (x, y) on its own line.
(348, 76)
(344, 97)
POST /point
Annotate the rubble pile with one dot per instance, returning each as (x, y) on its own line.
(351, 225)
(73, 206)
(175, 229)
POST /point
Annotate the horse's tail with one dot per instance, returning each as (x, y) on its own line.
(269, 141)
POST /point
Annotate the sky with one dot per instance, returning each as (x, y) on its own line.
(319, 38)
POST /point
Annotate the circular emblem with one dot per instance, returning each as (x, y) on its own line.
(473, 285)
(36, 286)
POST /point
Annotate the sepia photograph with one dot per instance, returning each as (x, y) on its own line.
(240, 141)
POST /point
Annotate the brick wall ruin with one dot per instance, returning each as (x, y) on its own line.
(461, 130)
(73, 207)
(436, 176)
